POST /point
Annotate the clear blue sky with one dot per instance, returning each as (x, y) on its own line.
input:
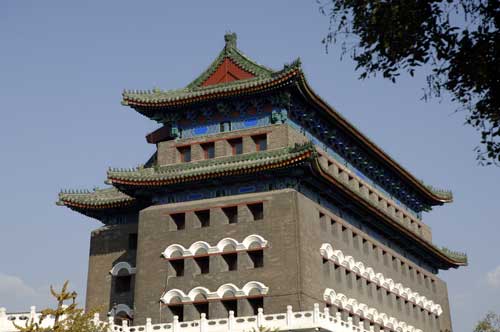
(64, 64)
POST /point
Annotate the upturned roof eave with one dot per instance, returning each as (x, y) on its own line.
(306, 91)
(224, 167)
(309, 94)
(129, 182)
(98, 199)
(164, 101)
(446, 260)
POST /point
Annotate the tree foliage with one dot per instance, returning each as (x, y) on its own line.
(490, 323)
(459, 40)
(66, 317)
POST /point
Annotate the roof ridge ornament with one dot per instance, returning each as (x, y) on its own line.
(230, 39)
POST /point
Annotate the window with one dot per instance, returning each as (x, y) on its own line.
(231, 305)
(366, 246)
(179, 220)
(178, 266)
(321, 216)
(257, 211)
(257, 258)
(177, 310)
(326, 266)
(338, 272)
(260, 142)
(185, 153)
(384, 256)
(203, 264)
(256, 303)
(231, 261)
(225, 126)
(348, 278)
(231, 213)
(236, 146)
(122, 284)
(202, 308)
(203, 217)
(355, 241)
(344, 234)
(208, 150)
(132, 241)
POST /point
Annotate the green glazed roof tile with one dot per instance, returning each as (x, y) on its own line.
(94, 198)
(160, 96)
(180, 172)
(230, 51)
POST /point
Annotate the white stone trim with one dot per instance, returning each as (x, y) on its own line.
(218, 248)
(218, 294)
(366, 272)
(312, 320)
(124, 308)
(343, 302)
(122, 266)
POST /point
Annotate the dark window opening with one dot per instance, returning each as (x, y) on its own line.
(257, 210)
(132, 241)
(203, 263)
(177, 310)
(122, 284)
(185, 153)
(333, 225)
(231, 261)
(231, 214)
(208, 150)
(257, 258)
(202, 308)
(256, 303)
(225, 126)
(260, 142)
(178, 266)
(179, 220)
(236, 146)
(326, 266)
(231, 305)
(203, 217)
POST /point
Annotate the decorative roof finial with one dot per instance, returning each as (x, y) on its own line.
(230, 39)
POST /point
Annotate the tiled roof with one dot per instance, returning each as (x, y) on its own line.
(95, 199)
(205, 169)
(230, 51)
(158, 97)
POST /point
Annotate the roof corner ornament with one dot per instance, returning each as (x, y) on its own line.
(174, 130)
(230, 39)
(279, 116)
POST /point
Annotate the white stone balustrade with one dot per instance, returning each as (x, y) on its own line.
(7, 320)
(288, 321)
